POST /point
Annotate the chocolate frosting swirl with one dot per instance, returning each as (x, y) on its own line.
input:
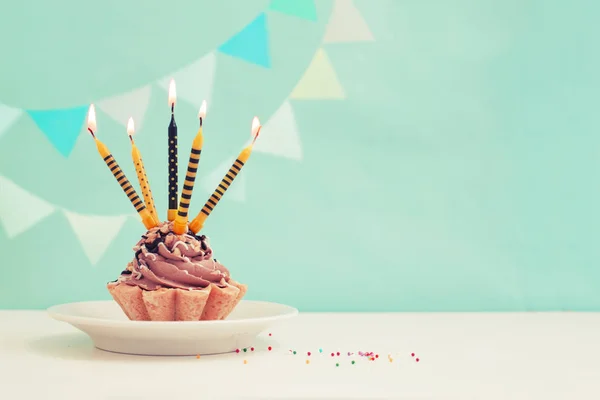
(165, 259)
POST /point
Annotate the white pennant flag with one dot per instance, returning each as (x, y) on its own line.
(8, 116)
(19, 209)
(279, 136)
(131, 104)
(236, 191)
(346, 24)
(94, 232)
(195, 81)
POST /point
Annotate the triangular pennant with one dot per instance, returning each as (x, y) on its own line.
(19, 209)
(251, 44)
(196, 80)
(95, 233)
(346, 24)
(235, 192)
(8, 116)
(319, 81)
(298, 8)
(61, 126)
(131, 104)
(279, 136)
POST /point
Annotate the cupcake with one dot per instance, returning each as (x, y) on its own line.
(175, 278)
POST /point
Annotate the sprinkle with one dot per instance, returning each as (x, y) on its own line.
(412, 354)
(338, 353)
(391, 359)
(270, 348)
(294, 352)
(320, 350)
(332, 354)
(237, 350)
(376, 355)
(245, 361)
(360, 353)
(308, 361)
(251, 348)
(372, 359)
(337, 364)
(417, 360)
(349, 354)
(197, 355)
(353, 362)
(270, 334)
(308, 353)
(245, 349)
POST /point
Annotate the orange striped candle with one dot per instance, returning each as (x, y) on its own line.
(111, 163)
(198, 222)
(181, 220)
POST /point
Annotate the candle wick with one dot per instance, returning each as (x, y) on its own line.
(131, 138)
(172, 108)
(92, 132)
(200, 121)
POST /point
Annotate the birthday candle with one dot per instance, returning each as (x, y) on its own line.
(211, 203)
(141, 173)
(172, 155)
(111, 163)
(180, 224)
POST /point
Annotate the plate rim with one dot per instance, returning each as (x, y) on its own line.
(54, 313)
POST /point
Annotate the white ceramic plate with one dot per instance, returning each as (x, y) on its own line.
(111, 330)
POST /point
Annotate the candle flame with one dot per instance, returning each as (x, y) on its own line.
(172, 93)
(202, 112)
(130, 127)
(91, 120)
(255, 127)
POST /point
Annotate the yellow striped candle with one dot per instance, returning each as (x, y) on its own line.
(141, 172)
(181, 220)
(111, 163)
(198, 222)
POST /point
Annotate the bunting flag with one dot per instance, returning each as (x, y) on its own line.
(131, 104)
(235, 192)
(19, 209)
(251, 44)
(346, 24)
(61, 126)
(319, 81)
(196, 80)
(279, 136)
(304, 9)
(8, 116)
(95, 233)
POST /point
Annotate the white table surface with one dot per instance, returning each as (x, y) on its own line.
(462, 356)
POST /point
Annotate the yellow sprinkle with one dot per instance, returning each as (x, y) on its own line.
(197, 355)
(308, 361)
(391, 359)
(245, 361)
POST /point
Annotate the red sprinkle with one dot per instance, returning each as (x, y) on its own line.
(417, 360)
(376, 355)
(332, 354)
(270, 348)
(237, 350)
(338, 353)
(372, 359)
(308, 353)
(270, 334)
(251, 348)
(412, 354)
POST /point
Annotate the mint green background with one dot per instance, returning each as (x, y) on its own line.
(460, 173)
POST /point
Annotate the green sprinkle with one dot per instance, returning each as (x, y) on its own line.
(353, 361)
(294, 351)
(337, 364)
(320, 350)
(245, 350)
